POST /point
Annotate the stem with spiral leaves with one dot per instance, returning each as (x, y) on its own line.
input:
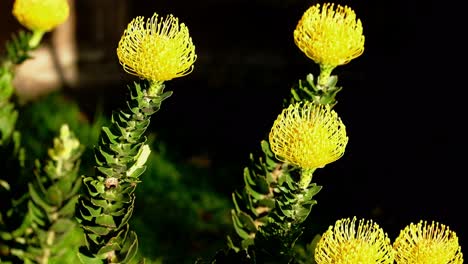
(107, 205)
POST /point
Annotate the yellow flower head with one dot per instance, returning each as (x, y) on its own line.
(329, 36)
(427, 243)
(159, 49)
(41, 15)
(345, 243)
(308, 135)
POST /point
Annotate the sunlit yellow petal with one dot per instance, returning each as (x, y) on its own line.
(330, 36)
(159, 49)
(308, 135)
(427, 243)
(41, 15)
(346, 243)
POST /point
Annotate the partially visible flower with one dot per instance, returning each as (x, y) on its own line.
(330, 36)
(65, 145)
(427, 243)
(308, 135)
(346, 243)
(158, 50)
(41, 15)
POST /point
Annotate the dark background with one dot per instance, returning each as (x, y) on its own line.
(402, 103)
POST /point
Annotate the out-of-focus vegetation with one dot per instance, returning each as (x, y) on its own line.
(179, 215)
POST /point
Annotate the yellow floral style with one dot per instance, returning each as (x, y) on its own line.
(41, 15)
(329, 36)
(308, 135)
(158, 50)
(427, 243)
(346, 243)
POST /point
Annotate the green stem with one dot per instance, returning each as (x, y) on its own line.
(155, 88)
(306, 178)
(325, 73)
(36, 38)
(108, 202)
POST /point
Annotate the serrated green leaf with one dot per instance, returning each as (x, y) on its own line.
(104, 157)
(98, 230)
(92, 211)
(94, 187)
(111, 138)
(99, 202)
(106, 220)
(109, 172)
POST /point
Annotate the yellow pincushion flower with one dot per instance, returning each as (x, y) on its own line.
(427, 243)
(41, 15)
(330, 36)
(308, 135)
(158, 50)
(346, 243)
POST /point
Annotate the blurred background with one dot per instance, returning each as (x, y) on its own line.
(401, 104)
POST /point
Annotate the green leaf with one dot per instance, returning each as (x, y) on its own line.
(98, 189)
(109, 135)
(268, 202)
(234, 200)
(39, 201)
(69, 208)
(98, 230)
(109, 172)
(238, 226)
(106, 220)
(93, 212)
(247, 222)
(99, 202)
(130, 248)
(126, 216)
(312, 191)
(108, 158)
(251, 191)
(62, 225)
(109, 247)
(54, 195)
(89, 260)
(137, 172)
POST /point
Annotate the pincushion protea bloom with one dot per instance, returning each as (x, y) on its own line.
(308, 135)
(346, 243)
(427, 243)
(330, 36)
(41, 15)
(158, 50)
